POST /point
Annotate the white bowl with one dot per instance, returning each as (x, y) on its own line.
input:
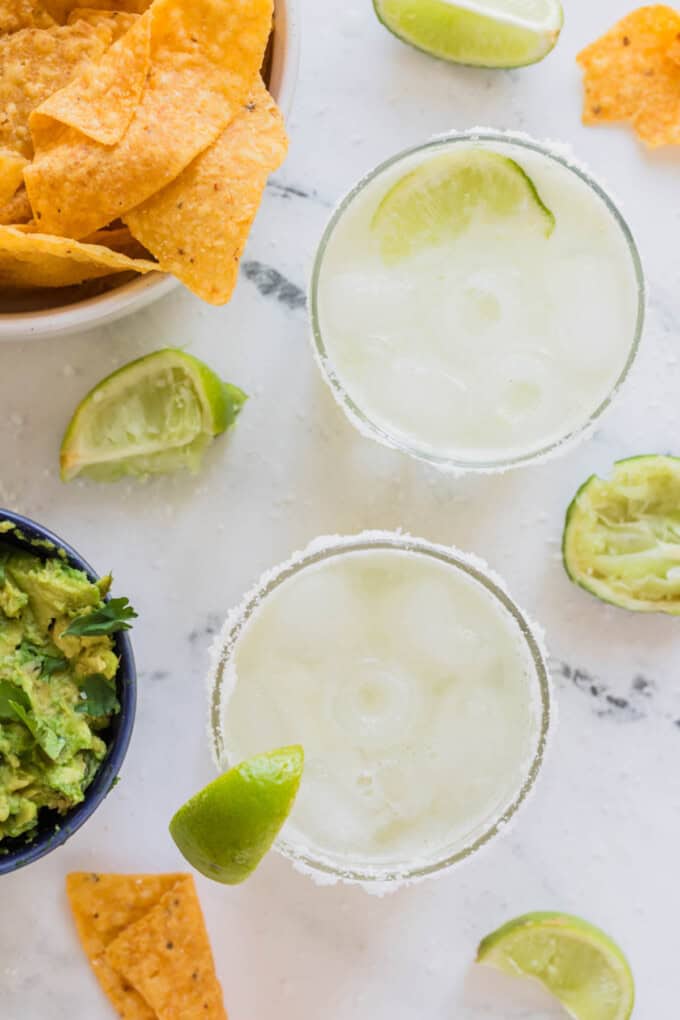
(61, 318)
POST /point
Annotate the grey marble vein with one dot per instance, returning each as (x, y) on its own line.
(271, 283)
(207, 629)
(640, 700)
(292, 191)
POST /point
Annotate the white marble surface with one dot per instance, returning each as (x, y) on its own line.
(600, 837)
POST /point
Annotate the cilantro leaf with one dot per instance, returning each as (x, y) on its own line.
(50, 742)
(15, 706)
(100, 696)
(49, 664)
(52, 664)
(11, 694)
(112, 617)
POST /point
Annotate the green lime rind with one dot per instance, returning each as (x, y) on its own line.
(621, 539)
(461, 34)
(155, 415)
(439, 200)
(233, 399)
(225, 830)
(575, 961)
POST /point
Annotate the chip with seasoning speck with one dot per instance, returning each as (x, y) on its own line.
(217, 196)
(29, 259)
(204, 56)
(632, 74)
(166, 957)
(103, 906)
(36, 62)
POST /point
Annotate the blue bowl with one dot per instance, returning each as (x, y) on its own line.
(54, 829)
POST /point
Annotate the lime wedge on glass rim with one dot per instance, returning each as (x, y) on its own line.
(440, 198)
(153, 416)
(483, 33)
(622, 535)
(580, 965)
(225, 829)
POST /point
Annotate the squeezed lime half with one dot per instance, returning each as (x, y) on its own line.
(484, 33)
(225, 830)
(440, 199)
(622, 535)
(153, 416)
(580, 965)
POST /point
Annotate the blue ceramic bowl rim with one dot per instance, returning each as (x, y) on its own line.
(126, 681)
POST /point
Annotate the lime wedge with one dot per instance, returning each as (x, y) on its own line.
(225, 830)
(575, 961)
(485, 33)
(622, 535)
(153, 416)
(440, 199)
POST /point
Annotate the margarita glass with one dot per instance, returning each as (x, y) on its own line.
(415, 685)
(485, 347)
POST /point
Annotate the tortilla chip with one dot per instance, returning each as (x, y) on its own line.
(632, 73)
(61, 10)
(198, 225)
(103, 99)
(36, 62)
(17, 210)
(18, 14)
(11, 174)
(118, 239)
(166, 956)
(119, 22)
(103, 906)
(41, 260)
(204, 57)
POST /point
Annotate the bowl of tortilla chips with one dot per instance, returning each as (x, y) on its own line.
(136, 140)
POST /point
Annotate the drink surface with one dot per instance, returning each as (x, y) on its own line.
(413, 692)
(495, 344)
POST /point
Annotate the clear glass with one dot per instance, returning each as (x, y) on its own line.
(221, 688)
(360, 418)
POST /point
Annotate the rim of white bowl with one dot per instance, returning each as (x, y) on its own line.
(136, 294)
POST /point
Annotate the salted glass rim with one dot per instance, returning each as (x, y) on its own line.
(328, 548)
(359, 418)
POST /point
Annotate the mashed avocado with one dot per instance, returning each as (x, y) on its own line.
(57, 689)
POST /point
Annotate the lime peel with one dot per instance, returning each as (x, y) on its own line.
(226, 829)
(443, 195)
(482, 33)
(155, 415)
(621, 537)
(575, 961)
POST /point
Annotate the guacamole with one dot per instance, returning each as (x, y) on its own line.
(57, 685)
